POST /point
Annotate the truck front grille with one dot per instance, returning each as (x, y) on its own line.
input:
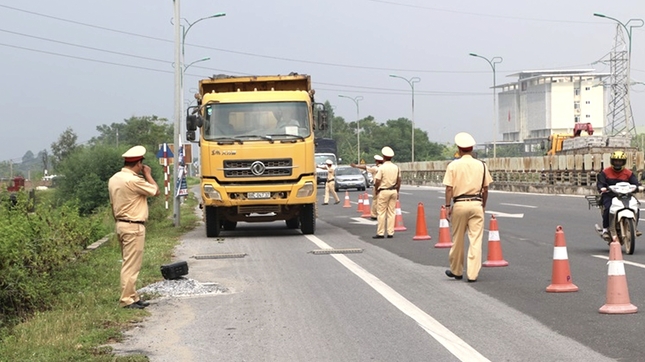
(258, 168)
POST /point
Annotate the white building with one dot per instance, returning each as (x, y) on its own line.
(545, 102)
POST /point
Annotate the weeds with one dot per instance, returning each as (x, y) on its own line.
(83, 314)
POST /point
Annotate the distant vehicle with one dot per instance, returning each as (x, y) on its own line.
(321, 168)
(348, 177)
(326, 145)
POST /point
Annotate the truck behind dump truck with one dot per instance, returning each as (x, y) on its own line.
(256, 143)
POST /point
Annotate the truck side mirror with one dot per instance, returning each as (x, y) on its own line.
(192, 122)
(322, 119)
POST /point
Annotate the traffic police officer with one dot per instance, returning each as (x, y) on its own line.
(387, 183)
(330, 186)
(128, 197)
(466, 181)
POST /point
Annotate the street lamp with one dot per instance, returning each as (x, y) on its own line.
(184, 32)
(638, 23)
(493, 61)
(358, 125)
(411, 82)
(179, 43)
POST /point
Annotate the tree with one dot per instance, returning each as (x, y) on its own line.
(28, 157)
(396, 133)
(64, 147)
(86, 174)
(44, 157)
(148, 131)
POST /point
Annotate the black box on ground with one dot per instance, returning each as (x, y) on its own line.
(174, 270)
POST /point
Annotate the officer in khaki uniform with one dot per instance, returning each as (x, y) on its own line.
(128, 197)
(378, 160)
(330, 186)
(387, 183)
(466, 181)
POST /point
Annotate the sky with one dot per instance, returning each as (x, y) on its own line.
(88, 63)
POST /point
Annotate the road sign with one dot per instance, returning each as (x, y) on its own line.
(188, 153)
(169, 153)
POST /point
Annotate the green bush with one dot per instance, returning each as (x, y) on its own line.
(32, 247)
(86, 172)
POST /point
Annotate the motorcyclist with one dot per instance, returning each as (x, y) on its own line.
(610, 176)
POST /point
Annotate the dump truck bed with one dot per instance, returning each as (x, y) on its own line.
(292, 82)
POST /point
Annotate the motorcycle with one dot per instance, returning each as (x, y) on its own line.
(623, 214)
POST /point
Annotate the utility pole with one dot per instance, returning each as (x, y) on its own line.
(178, 106)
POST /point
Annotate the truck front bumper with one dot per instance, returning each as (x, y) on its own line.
(214, 194)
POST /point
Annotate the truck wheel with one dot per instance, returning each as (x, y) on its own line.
(293, 223)
(229, 225)
(308, 219)
(213, 223)
(628, 231)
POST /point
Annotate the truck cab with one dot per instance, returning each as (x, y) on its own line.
(257, 150)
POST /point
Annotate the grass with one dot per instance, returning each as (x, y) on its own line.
(86, 315)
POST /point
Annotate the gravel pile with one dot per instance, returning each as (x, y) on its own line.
(181, 287)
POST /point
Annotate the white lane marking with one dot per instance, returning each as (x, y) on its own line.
(457, 346)
(364, 221)
(503, 214)
(639, 265)
(519, 205)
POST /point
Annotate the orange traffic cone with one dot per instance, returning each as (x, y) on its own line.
(561, 274)
(360, 203)
(398, 219)
(347, 203)
(422, 231)
(367, 210)
(617, 293)
(445, 240)
(494, 246)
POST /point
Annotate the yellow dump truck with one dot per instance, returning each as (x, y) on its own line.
(256, 138)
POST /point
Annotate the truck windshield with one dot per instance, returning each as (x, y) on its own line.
(263, 119)
(321, 158)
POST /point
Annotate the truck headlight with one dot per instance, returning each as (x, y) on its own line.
(211, 193)
(306, 190)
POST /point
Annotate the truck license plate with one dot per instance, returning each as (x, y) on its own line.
(258, 195)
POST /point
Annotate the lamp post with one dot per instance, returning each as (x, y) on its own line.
(184, 32)
(358, 126)
(180, 38)
(492, 61)
(411, 82)
(637, 24)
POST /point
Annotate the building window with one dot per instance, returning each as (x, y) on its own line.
(576, 91)
(587, 88)
(588, 102)
(576, 105)
(576, 119)
(588, 116)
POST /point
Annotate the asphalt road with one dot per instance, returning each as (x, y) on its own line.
(392, 302)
